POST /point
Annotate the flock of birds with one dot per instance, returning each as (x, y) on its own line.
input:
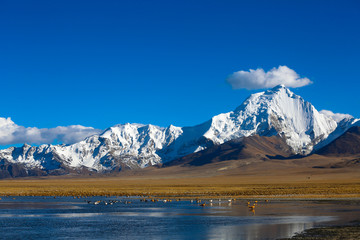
(200, 202)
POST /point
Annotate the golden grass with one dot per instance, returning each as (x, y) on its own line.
(175, 188)
(295, 178)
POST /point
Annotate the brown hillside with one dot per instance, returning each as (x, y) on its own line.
(345, 145)
(254, 147)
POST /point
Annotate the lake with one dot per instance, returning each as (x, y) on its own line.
(131, 218)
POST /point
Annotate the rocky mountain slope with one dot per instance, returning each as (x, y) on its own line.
(345, 145)
(275, 112)
(245, 148)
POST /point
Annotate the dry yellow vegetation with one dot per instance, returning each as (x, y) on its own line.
(295, 178)
(194, 187)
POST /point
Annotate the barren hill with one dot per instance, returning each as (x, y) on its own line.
(346, 145)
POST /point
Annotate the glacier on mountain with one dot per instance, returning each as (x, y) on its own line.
(277, 111)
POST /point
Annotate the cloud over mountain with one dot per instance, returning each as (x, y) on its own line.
(11, 133)
(336, 116)
(259, 79)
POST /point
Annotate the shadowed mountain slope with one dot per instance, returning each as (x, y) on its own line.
(347, 144)
(253, 147)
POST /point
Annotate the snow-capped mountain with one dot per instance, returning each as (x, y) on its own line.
(277, 111)
(132, 145)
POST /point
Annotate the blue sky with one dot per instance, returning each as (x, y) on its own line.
(100, 63)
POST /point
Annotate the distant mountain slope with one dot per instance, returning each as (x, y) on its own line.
(275, 112)
(347, 144)
(253, 147)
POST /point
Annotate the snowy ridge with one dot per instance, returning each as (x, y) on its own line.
(133, 145)
(277, 111)
(40, 157)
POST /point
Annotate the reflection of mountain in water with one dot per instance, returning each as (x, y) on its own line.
(263, 227)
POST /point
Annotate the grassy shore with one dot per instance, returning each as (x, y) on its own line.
(329, 233)
(183, 188)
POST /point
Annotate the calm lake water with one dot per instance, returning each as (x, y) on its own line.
(69, 218)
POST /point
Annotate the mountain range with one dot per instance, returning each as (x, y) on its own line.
(275, 122)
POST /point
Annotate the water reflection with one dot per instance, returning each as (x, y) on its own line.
(81, 219)
(21, 215)
(265, 228)
(76, 215)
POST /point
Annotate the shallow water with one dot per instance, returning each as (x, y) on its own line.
(69, 218)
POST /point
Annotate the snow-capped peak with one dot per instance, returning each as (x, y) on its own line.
(277, 111)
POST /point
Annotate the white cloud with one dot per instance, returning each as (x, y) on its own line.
(338, 117)
(259, 79)
(11, 133)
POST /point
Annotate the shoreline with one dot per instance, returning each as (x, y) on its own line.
(189, 197)
(349, 231)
